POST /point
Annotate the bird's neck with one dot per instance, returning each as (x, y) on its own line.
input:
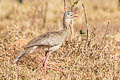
(66, 23)
(64, 28)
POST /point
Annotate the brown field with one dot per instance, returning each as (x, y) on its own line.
(99, 60)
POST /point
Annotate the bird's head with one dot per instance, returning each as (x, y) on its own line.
(68, 16)
(68, 20)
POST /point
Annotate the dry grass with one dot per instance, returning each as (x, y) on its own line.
(19, 23)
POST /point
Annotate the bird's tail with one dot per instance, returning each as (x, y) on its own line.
(27, 50)
(18, 57)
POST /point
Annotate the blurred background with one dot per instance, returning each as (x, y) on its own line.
(41, 15)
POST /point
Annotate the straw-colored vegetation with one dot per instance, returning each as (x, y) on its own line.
(98, 60)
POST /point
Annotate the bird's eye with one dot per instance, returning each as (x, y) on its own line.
(68, 13)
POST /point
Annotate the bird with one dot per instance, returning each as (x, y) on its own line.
(51, 41)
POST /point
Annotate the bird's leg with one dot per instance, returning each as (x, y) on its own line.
(45, 64)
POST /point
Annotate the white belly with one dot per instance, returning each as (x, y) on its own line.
(52, 49)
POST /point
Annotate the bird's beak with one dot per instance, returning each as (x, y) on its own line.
(75, 14)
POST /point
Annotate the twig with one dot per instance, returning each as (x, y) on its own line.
(105, 31)
(45, 14)
(64, 5)
(118, 3)
(86, 20)
(20, 1)
(103, 48)
(73, 5)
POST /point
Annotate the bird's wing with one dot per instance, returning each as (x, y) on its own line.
(47, 39)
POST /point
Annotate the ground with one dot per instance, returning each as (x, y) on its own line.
(99, 59)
